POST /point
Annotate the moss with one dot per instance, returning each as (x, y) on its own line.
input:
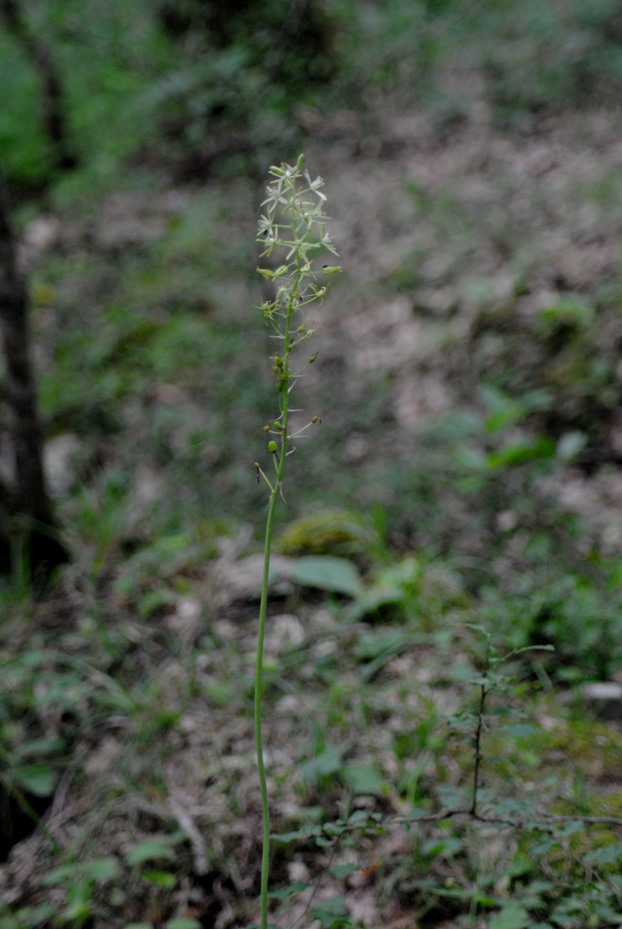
(328, 532)
(593, 748)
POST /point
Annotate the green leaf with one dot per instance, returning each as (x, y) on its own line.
(78, 911)
(182, 922)
(103, 869)
(520, 730)
(341, 871)
(571, 444)
(327, 762)
(364, 779)
(154, 600)
(59, 875)
(282, 893)
(336, 575)
(38, 779)
(44, 746)
(162, 879)
(392, 585)
(382, 642)
(331, 914)
(296, 835)
(511, 917)
(152, 849)
(503, 410)
(520, 452)
(610, 854)
(27, 917)
(448, 847)
(571, 310)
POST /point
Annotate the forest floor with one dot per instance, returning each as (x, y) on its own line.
(478, 311)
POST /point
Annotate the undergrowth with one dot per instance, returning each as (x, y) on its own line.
(422, 763)
(427, 761)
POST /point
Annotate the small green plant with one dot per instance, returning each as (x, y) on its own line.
(294, 226)
(79, 881)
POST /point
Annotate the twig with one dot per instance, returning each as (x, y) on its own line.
(535, 822)
(478, 741)
(186, 822)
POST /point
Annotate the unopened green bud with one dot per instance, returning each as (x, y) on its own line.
(272, 446)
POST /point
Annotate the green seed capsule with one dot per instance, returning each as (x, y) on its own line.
(272, 446)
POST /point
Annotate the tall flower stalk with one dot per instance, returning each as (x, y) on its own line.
(293, 230)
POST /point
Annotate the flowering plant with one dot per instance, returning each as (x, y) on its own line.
(293, 228)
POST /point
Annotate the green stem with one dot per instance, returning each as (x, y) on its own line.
(305, 233)
(263, 605)
(261, 768)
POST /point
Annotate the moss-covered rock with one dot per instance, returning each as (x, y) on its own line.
(327, 532)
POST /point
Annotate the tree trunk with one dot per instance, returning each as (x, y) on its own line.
(31, 523)
(40, 53)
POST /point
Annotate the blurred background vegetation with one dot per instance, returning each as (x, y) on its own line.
(469, 376)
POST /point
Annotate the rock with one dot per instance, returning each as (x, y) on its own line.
(604, 699)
